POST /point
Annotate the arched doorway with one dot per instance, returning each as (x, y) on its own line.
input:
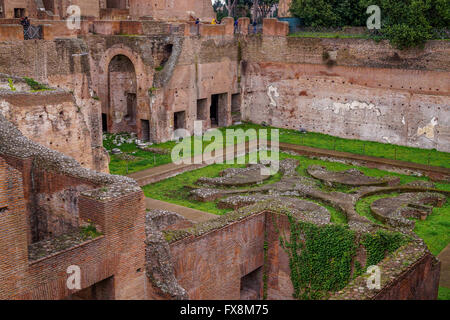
(122, 100)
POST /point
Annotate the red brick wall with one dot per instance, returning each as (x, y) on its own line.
(13, 226)
(273, 27)
(119, 253)
(279, 284)
(420, 282)
(10, 32)
(211, 266)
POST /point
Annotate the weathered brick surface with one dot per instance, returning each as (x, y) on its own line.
(211, 266)
(166, 9)
(119, 252)
(10, 32)
(420, 282)
(52, 119)
(273, 27)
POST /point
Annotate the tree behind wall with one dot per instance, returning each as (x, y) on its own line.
(406, 23)
(237, 8)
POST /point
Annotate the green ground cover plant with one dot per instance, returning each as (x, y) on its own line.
(311, 139)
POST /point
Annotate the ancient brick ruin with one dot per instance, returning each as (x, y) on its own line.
(146, 68)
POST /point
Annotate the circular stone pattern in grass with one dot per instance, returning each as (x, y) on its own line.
(351, 177)
(236, 177)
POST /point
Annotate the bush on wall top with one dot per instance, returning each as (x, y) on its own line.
(406, 23)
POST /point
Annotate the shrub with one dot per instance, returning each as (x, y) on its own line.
(34, 85)
(406, 23)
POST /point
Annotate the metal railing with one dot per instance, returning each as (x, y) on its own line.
(32, 32)
(255, 29)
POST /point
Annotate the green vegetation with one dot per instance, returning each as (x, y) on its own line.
(310, 139)
(11, 84)
(433, 230)
(159, 68)
(143, 159)
(405, 23)
(444, 293)
(151, 91)
(369, 148)
(381, 242)
(35, 86)
(89, 232)
(320, 258)
(176, 189)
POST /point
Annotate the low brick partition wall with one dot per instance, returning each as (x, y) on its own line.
(57, 29)
(273, 27)
(117, 27)
(11, 32)
(114, 14)
(243, 24)
(226, 28)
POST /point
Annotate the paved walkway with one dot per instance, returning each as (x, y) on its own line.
(444, 256)
(165, 171)
(188, 213)
(159, 173)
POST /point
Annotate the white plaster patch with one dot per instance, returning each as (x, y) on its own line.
(428, 130)
(345, 107)
(403, 120)
(4, 108)
(118, 117)
(272, 92)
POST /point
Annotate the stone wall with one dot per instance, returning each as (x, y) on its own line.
(355, 89)
(29, 6)
(53, 119)
(170, 9)
(63, 65)
(420, 282)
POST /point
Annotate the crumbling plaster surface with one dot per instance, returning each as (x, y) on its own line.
(62, 64)
(52, 119)
(340, 102)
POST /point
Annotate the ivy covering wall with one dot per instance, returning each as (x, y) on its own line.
(322, 258)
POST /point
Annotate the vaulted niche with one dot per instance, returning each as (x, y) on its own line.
(122, 107)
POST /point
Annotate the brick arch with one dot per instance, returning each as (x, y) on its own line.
(144, 79)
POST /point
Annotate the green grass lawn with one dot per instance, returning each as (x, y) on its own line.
(444, 293)
(434, 230)
(318, 140)
(370, 148)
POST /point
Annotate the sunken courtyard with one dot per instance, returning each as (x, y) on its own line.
(351, 175)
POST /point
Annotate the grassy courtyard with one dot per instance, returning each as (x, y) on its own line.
(144, 160)
(434, 230)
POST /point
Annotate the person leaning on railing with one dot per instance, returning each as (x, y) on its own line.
(25, 22)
